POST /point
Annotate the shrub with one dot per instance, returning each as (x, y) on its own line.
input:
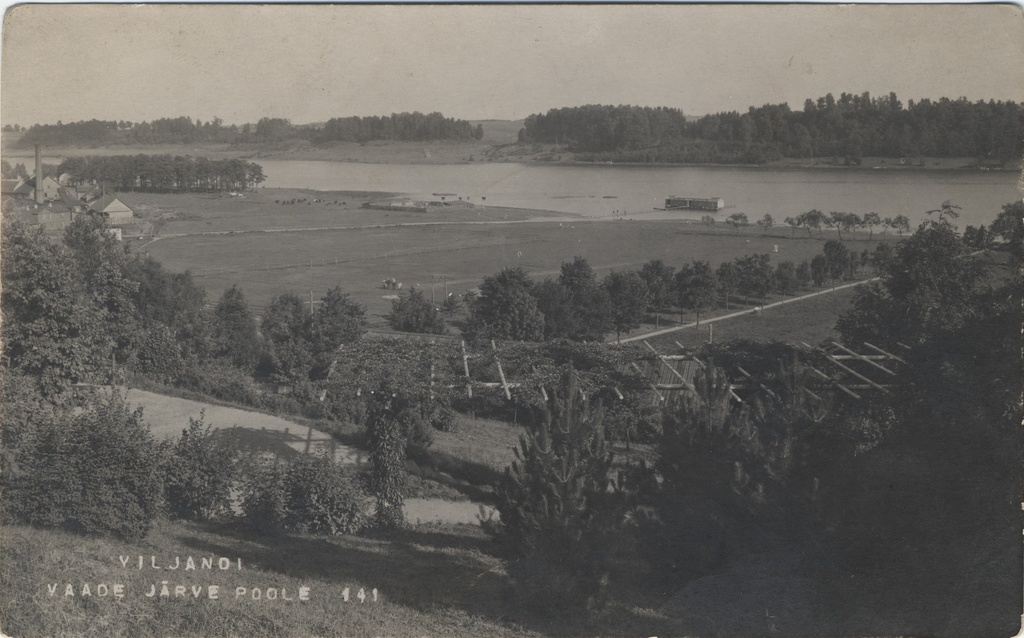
(311, 494)
(220, 381)
(95, 473)
(263, 501)
(559, 511)
(389, 428)
(322, 497)
(198, 475)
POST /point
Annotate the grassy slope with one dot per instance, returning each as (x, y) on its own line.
(430, 581)
(811, 320)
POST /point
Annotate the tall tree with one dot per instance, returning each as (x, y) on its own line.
(589, 301)
(285, 329)
(337, 320)
(555, 303)
(871, 220)
(697, 287)
(49, 329)
(1009, 225)
(929, 285)
(506, 308)
(785, 277)
(659, 280)
(838, 257)
(235, 330)
(755, 275)
(728, 277)
(738, 221)
(628, 299)
(412, 312)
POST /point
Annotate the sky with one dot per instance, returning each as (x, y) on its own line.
(313, 62)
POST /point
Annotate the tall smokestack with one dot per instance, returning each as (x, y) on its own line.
(39, 175)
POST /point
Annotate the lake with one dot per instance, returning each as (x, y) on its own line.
(601, 190)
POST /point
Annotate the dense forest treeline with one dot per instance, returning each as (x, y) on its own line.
(184, 130)
(851, 127)
(163, 173)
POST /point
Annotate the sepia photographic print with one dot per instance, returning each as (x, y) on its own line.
(511, 320)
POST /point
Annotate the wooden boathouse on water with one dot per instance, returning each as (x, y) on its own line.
(694, 203)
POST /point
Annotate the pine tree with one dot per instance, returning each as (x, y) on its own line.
(559, 507)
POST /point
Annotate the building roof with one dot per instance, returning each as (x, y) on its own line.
(69, 199)
(24, 187)
(103, 203)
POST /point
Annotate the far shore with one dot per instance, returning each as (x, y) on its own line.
(462, 153)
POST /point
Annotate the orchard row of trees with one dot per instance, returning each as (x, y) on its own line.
(852, 126)
(576, 306)
(184, 130)
(816, 220)
(164, 173)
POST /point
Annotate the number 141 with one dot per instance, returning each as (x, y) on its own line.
(346, 593)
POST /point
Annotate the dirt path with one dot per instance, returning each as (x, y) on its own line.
(663, 331)
(252, 431)
(433, 510)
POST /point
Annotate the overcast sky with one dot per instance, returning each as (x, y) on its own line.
(310, 63)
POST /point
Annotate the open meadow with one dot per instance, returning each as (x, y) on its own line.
(269, 249)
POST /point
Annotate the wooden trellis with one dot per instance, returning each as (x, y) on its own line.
(853, 373)
(504, 384)
(681, 380)
(876, 368)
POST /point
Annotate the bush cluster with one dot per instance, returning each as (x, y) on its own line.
(198, 475)
(311, 494)
(95, 472)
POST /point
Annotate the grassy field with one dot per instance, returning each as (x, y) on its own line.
(810, 320)
(266, 264)
(267, 209)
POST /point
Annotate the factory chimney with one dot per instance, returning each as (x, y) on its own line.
(39, 175)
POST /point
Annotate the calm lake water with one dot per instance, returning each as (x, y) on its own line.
(602, 190)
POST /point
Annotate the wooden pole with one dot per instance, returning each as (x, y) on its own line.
(653, 386)
(858, 375)
(888, 354)
(834, 382)
(501, 373)
(861, 357)
(761, 385)
(465, 366)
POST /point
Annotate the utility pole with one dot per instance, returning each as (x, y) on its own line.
(311, 302)
(433, 278)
